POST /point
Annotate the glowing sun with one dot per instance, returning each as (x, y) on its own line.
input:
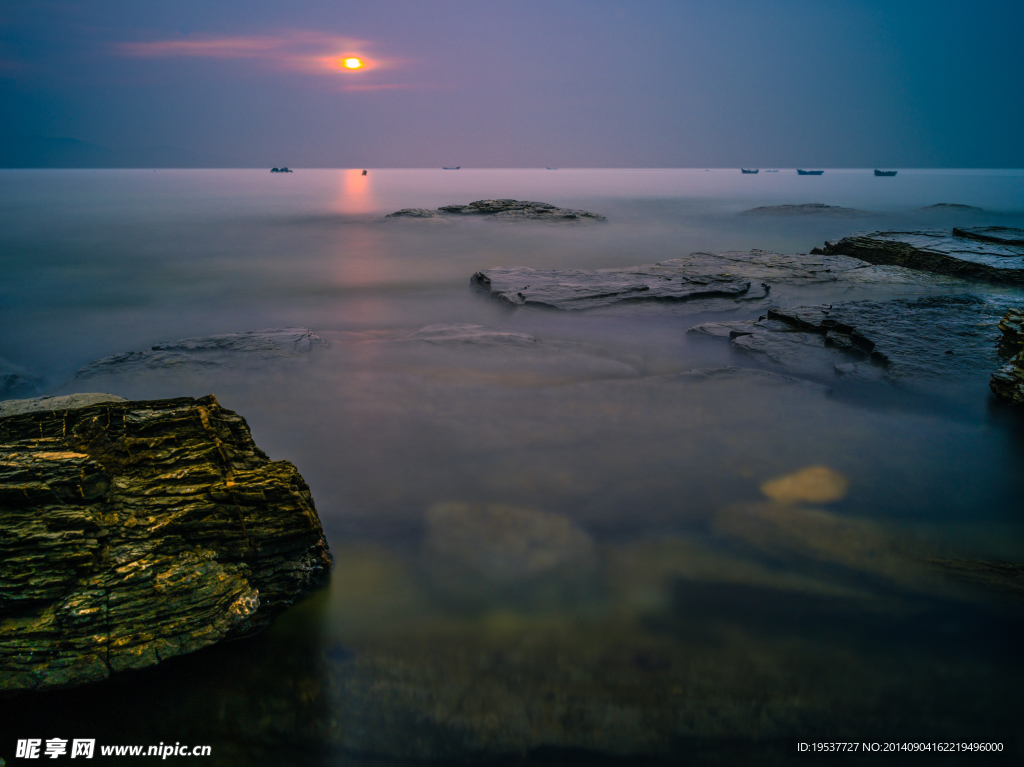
(353, 63)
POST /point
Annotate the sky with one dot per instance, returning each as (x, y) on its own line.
(595, 83)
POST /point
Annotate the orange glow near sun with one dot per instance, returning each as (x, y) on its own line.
(353, 63)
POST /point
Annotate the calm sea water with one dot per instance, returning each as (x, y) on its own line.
(567, 547)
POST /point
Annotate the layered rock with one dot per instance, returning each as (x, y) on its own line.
(131, 532)
(1002, 235)
(209, 352)
(1008, 381)
(936, 251)
(504, 210)
(931, 337)
(575, 289)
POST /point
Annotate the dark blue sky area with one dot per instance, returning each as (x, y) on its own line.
(503, 84)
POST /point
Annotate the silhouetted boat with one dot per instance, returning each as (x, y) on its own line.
(364, 172)
(749, 170)
(280, 170)
(884, 172)
(552, 168)
(809, 172)
(455, 168)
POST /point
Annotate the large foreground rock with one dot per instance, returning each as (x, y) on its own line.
(941, 338)
(941, 252)
(503, 210)
(131, 532)
(1008, 381)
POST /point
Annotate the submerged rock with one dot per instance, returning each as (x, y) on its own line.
(131, 532)
(504, 210)
(937, 337)
(812, 209)
(1008, 381)
(483, 555)
(16, 380)
(936, 251)
(210, 351)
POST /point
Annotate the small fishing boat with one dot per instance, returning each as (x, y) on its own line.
(455, 168)
(749, 170)
(884, 172)
(809, 172)
(364, 172)
(552, 168)
(280, 170)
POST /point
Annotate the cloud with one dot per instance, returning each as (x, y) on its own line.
(296, 51)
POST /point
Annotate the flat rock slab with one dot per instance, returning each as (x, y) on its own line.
(503, 210)
(576, 289)
(48, 404)
(702, 280)
(932, 337)
(936, 251)
(209, 352)
(131, 532)
(807, 209)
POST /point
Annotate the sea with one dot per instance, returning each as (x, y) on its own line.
(559, 538)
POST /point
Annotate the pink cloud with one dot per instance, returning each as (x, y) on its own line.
(298, 50)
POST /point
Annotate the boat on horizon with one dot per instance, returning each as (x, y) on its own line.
(281, 170)
(772, 171)
(552, 168)
(884, 172)
(809, 172)
(749, 170)
(455, 168)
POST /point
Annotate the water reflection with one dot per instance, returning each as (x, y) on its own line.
(356, 193)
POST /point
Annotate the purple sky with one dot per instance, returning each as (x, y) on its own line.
(495, 84)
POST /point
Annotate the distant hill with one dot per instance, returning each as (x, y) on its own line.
(42, 152)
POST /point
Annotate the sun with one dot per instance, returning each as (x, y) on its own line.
(353, 63)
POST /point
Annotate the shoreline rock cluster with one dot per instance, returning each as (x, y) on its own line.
(131, 532)
(503, 210)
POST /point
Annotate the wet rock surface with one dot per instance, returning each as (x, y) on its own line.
(503, 210)
(699, 281)
(931, 337)
(936, 251)
(209, 352)
(1002, 235)
(807, 209)
(1008, 381)
(576, 289)
(131, 532)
